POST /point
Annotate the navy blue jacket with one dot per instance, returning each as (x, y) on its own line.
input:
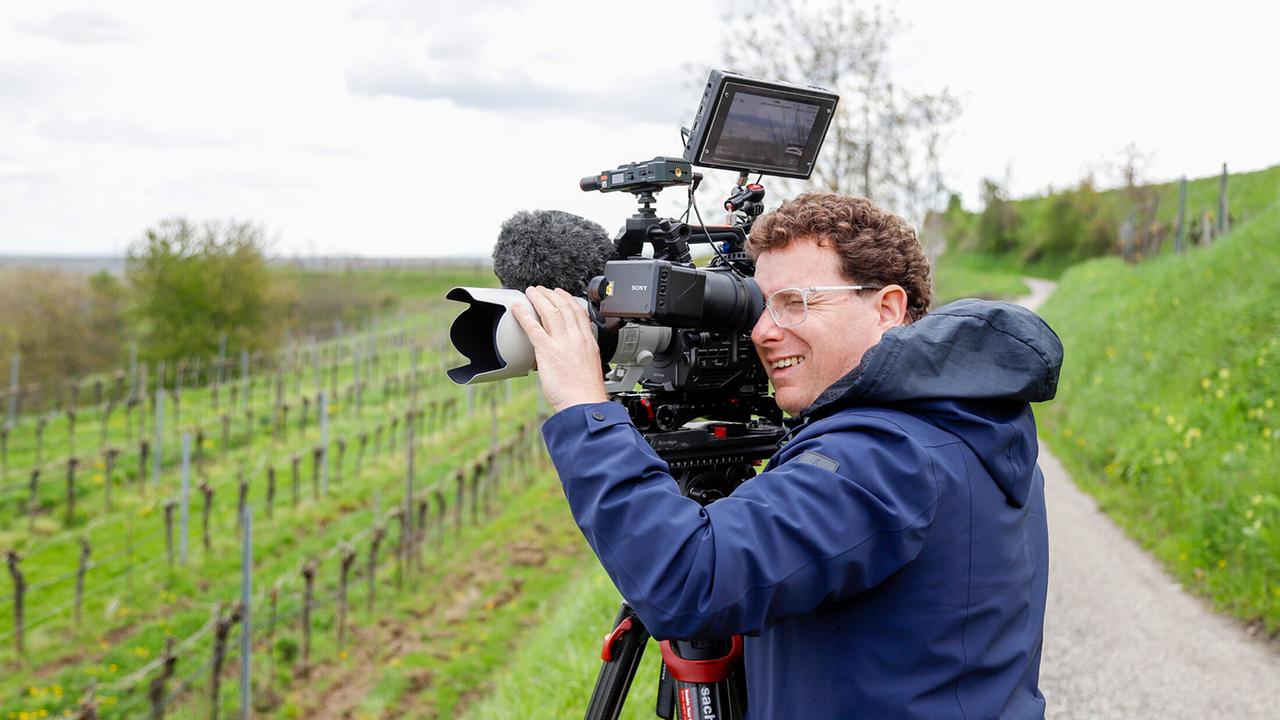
(892, 559)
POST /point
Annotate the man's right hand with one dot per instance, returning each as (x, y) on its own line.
(565, 347)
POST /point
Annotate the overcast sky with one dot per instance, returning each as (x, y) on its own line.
(411, 127)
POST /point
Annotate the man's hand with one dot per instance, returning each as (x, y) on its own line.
(566, 349)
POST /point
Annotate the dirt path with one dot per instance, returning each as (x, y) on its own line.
(1122, 639)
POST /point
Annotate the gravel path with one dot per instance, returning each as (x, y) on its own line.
(1122, 639)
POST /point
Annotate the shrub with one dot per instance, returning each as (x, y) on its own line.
(62, 325)
(192, 286)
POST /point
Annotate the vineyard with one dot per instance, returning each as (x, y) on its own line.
(167, 524)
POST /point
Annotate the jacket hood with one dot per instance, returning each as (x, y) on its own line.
(969, 368)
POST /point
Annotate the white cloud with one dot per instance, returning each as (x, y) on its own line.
(80, 26)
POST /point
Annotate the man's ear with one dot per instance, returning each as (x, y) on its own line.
(891, 305)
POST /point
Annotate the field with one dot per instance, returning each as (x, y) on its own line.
(112, 604)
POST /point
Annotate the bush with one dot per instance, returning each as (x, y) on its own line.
(1073, 225)
(192, 286)
(63, 325)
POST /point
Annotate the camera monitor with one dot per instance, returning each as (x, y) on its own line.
(753, 125)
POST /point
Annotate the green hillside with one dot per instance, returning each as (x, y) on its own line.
(1167, 410)
(1045, 235)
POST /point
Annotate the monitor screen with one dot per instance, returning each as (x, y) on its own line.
(761, 127)
(765, 130)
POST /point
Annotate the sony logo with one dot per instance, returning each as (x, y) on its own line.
(639, 288)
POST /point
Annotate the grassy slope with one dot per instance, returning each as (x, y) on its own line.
(1249, 194)
(1167, 410)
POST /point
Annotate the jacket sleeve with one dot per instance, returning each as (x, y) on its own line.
(799, 534)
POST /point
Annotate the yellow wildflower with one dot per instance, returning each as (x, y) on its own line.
(1189, 436)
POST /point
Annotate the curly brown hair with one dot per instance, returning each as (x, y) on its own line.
(875, 247)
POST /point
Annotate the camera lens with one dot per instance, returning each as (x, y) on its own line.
(731, 302)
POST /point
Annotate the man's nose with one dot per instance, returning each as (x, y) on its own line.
(765, 329)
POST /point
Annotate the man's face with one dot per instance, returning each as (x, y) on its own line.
(841, 326)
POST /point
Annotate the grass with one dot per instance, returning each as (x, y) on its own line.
(1167, 410)
(961, 275)
(451, 627)
(555, 670)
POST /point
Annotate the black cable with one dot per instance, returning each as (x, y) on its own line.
(712, 242)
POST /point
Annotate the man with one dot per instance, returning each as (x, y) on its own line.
(891, 559)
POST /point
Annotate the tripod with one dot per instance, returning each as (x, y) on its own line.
(700, 680)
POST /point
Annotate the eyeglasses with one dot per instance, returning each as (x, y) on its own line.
(790, 306)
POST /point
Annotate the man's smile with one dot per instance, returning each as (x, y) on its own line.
(786, 362)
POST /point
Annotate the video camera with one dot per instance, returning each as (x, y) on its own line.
(678, 332)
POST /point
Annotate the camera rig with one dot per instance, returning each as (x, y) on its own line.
(684, 338)
(706, 366)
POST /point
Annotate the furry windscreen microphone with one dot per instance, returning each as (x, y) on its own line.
(551, 248)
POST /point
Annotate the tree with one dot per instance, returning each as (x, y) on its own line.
(192, 286)
(997, 226)
(885, 141)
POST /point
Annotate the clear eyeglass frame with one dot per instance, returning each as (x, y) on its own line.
(790, 306)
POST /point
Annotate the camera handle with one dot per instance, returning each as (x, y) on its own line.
(670, 238)
(746, 202)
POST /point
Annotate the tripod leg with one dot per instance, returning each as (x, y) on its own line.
(666, 706)
(621, 654)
